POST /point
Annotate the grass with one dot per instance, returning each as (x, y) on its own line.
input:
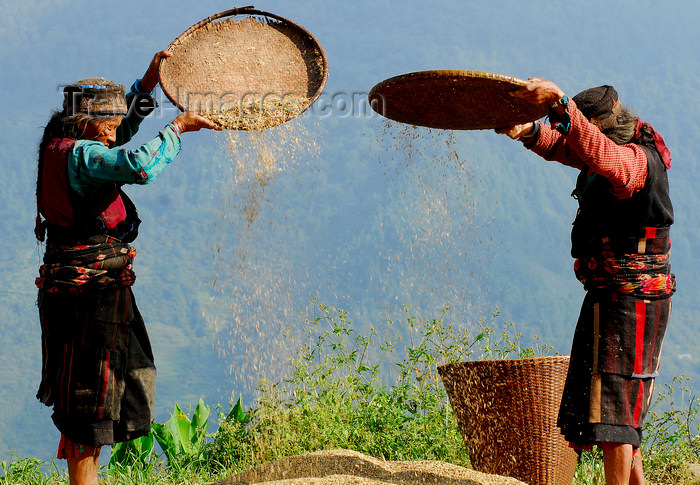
(381, 397)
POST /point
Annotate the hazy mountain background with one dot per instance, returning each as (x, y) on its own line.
(365, 215)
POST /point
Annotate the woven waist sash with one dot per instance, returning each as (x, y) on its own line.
(102, 262)
(641, 275)
(636, 265)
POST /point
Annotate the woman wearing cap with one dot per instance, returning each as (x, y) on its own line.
(620, 242)
(97, 364)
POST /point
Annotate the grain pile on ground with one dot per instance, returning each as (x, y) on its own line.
(345, 467)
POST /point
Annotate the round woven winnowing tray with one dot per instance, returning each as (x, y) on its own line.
(242, 56)
(454, 100)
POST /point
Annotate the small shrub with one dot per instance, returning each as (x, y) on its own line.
(339, 396)
(671, 440)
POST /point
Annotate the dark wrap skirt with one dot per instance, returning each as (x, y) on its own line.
(97, 363)
(614, 359)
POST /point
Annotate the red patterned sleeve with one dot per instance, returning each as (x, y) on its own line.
(586, 148)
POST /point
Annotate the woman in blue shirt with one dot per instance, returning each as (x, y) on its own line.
(97, 364)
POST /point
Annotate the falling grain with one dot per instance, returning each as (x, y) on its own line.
(261, 114)
(257, 281)
(435, 206)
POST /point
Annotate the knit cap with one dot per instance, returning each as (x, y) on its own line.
(600, 105)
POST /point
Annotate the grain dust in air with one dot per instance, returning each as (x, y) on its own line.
(255, 285)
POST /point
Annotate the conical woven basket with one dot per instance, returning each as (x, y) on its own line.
(244, 57)
(507, 413)
(454, 100)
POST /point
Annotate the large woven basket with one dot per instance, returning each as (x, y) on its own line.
(507, 412)
(454, 100)
(240, 57)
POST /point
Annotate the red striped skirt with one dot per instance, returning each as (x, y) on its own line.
(614, 359)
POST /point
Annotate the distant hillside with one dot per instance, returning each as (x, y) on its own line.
(369, 216)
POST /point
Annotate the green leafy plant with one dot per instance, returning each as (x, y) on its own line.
(236, 414)
(232, 431)
(183, 439)
(137, 453)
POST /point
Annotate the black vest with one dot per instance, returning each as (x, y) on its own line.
(70, 218)
(600, 215)
(89, 222)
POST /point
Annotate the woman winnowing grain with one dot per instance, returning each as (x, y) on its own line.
(97, 365)
(621, 245)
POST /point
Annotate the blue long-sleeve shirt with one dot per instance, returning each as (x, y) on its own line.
(91, 164)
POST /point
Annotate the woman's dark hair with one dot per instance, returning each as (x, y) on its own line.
(60, 126)
(63, 126)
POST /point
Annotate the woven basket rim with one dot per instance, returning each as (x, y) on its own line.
(244, 13)
(516, 82)
(454, 99)
(541, 359)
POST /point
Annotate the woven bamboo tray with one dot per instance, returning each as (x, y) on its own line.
(241, 57)
(454, 100)
(507, 413)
